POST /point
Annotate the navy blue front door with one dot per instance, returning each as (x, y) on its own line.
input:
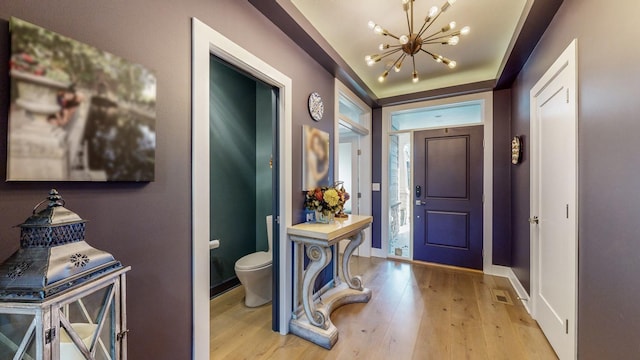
(447, 196)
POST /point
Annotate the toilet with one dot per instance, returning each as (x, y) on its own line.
(254, 272)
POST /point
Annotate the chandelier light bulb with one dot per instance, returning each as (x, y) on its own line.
(453, 40)
(415, 77)
(404, 39)
(378, 29)
(383, 46)
(397, 67)
(371, 59)
(371, 24)
(438, 58)
(465, 30)
(383, 76)
(405, 5)
(433, 11)
(452, 64)
(449, 26)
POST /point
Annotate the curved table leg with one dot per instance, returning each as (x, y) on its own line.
(320, 257)
(354, 282)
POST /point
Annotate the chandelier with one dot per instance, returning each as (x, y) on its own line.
(414, 41)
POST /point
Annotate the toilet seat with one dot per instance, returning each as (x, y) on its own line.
(254, 261)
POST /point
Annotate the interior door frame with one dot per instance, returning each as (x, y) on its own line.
(365, 171)
(566, 62)
(207, 42)
(354, 144)
(487, 177)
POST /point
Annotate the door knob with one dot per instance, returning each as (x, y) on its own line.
(534, 220)
(420, 202)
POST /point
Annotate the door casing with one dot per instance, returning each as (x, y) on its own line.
(487, 207)
(365, 172)
(207, 42)
(567, 62)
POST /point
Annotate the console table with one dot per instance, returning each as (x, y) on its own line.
(310, 319)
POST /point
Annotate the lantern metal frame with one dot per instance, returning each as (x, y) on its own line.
(51, 317)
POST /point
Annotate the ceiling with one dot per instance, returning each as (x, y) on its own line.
(480, 56)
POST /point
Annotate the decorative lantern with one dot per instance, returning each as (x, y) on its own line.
(60, 298)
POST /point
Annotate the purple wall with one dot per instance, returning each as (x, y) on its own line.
(609, 168)
(148, 226)
(501, 178)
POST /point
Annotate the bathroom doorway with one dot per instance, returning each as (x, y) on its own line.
(243, 113)
(206, 42)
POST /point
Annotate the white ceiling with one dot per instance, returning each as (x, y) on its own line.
(479, 56)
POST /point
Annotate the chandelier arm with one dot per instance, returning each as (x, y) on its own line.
(434, 56)
(444, 59)
(435, 36)
(422, 31)
(422, 28)
(391, 52)
(386, 33)
(406, 14)
(413, 59)
(411, 9)
(395, 62)
(432, 37)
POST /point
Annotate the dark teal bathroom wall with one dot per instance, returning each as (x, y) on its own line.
(264, 147)
(233, 168)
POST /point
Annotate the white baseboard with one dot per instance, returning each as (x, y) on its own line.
(379, 253)
(507, 272)
(497, 270)
(520, 290)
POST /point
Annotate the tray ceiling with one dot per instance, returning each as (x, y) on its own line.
(480, 56)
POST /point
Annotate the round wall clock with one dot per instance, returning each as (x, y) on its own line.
(316, 107)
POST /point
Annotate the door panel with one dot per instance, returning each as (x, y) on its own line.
(448, 196)
(553, 199)
(448, 229)
(448, 175)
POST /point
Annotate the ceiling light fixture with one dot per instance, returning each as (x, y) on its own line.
(412, 43)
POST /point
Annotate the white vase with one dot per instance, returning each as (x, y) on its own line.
(323, 218)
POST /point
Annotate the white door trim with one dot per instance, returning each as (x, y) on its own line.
(487, 222)
(566, 62)
(363, 128)
(206, 41)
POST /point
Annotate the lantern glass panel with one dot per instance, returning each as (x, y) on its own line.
(86, 316)
(16, 335)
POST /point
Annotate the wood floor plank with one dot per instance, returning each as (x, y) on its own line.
(527, 329)
(434, 334)
(417, 312)
(466, 324)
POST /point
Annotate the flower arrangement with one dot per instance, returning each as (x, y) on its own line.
(326, 201)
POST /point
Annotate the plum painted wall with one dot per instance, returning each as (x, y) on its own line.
(148, 226)
(609, 169)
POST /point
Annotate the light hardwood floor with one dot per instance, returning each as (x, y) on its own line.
(417, 312)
